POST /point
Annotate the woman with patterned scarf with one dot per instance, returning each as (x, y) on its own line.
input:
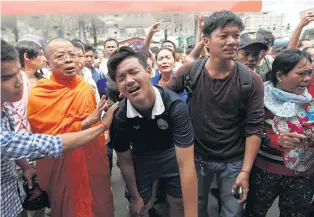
(284, 166)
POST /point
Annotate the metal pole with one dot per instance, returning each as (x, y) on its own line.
(15, 30)
(82, 29)
(94, 32)
(16, 34)
(195, 28)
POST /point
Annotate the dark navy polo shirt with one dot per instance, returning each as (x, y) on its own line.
(146, 135)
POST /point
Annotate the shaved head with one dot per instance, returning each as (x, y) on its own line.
(52, 43)
(62, 59)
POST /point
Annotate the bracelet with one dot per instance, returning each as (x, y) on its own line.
(244, 171)
(104, 126)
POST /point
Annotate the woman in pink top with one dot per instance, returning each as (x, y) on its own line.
(32, 59)
(19, 109)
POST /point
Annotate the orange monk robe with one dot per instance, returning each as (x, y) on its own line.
(78, 183)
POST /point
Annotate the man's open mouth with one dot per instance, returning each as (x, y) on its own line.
(133, 90)
(70, 70)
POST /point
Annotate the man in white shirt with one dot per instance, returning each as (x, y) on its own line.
(84, 71)
(110, 45)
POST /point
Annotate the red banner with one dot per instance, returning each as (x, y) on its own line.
(81, 7)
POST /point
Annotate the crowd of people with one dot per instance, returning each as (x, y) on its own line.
(230, 111)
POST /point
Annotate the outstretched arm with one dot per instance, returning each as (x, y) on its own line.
(294, 41)
(152, 30)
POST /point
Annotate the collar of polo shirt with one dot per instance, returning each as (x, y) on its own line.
(158, 108)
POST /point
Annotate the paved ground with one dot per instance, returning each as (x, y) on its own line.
(118, 186)
(121, 203)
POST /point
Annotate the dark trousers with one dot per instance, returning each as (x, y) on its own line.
(295, 194)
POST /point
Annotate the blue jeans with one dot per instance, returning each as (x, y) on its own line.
(226, 175)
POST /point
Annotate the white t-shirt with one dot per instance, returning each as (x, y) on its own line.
(87, 76)
(103, 67)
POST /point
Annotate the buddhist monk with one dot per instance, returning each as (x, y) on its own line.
(78, 183)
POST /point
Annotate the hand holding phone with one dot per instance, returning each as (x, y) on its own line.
(307, 16)
(307, 12)
(164, 26)
(238, 194)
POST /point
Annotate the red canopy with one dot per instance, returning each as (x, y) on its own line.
(81, 7)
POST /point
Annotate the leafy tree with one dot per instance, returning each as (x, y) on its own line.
(101, 42)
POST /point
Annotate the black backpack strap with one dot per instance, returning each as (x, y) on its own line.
(246, 82)
(193, 76)
(246, 87)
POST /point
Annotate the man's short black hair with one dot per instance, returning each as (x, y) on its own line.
(122, 54)
(154, 50)
(168, 41)
(8, 52)
(111, 39)
(268, 36)
(31, 48)
(89, 47)
(36, 38)
(78, 44)
(220, 19)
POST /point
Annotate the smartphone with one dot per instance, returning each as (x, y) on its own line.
(306, 12)
(165, 25)
(238, 194)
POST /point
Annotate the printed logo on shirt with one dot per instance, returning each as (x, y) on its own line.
(137, 127)
(162, 124)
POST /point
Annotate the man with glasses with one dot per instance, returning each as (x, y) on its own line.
(78, 183)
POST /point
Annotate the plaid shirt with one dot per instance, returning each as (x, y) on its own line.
(15, 146)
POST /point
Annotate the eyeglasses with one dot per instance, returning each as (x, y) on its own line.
(63, 57)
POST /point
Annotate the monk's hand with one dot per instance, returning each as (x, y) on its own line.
(108, 104)
(108, 116)
(96, 115)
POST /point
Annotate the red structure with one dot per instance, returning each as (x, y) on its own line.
(85, 7)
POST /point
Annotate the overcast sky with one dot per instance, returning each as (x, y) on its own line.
(289, 7)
